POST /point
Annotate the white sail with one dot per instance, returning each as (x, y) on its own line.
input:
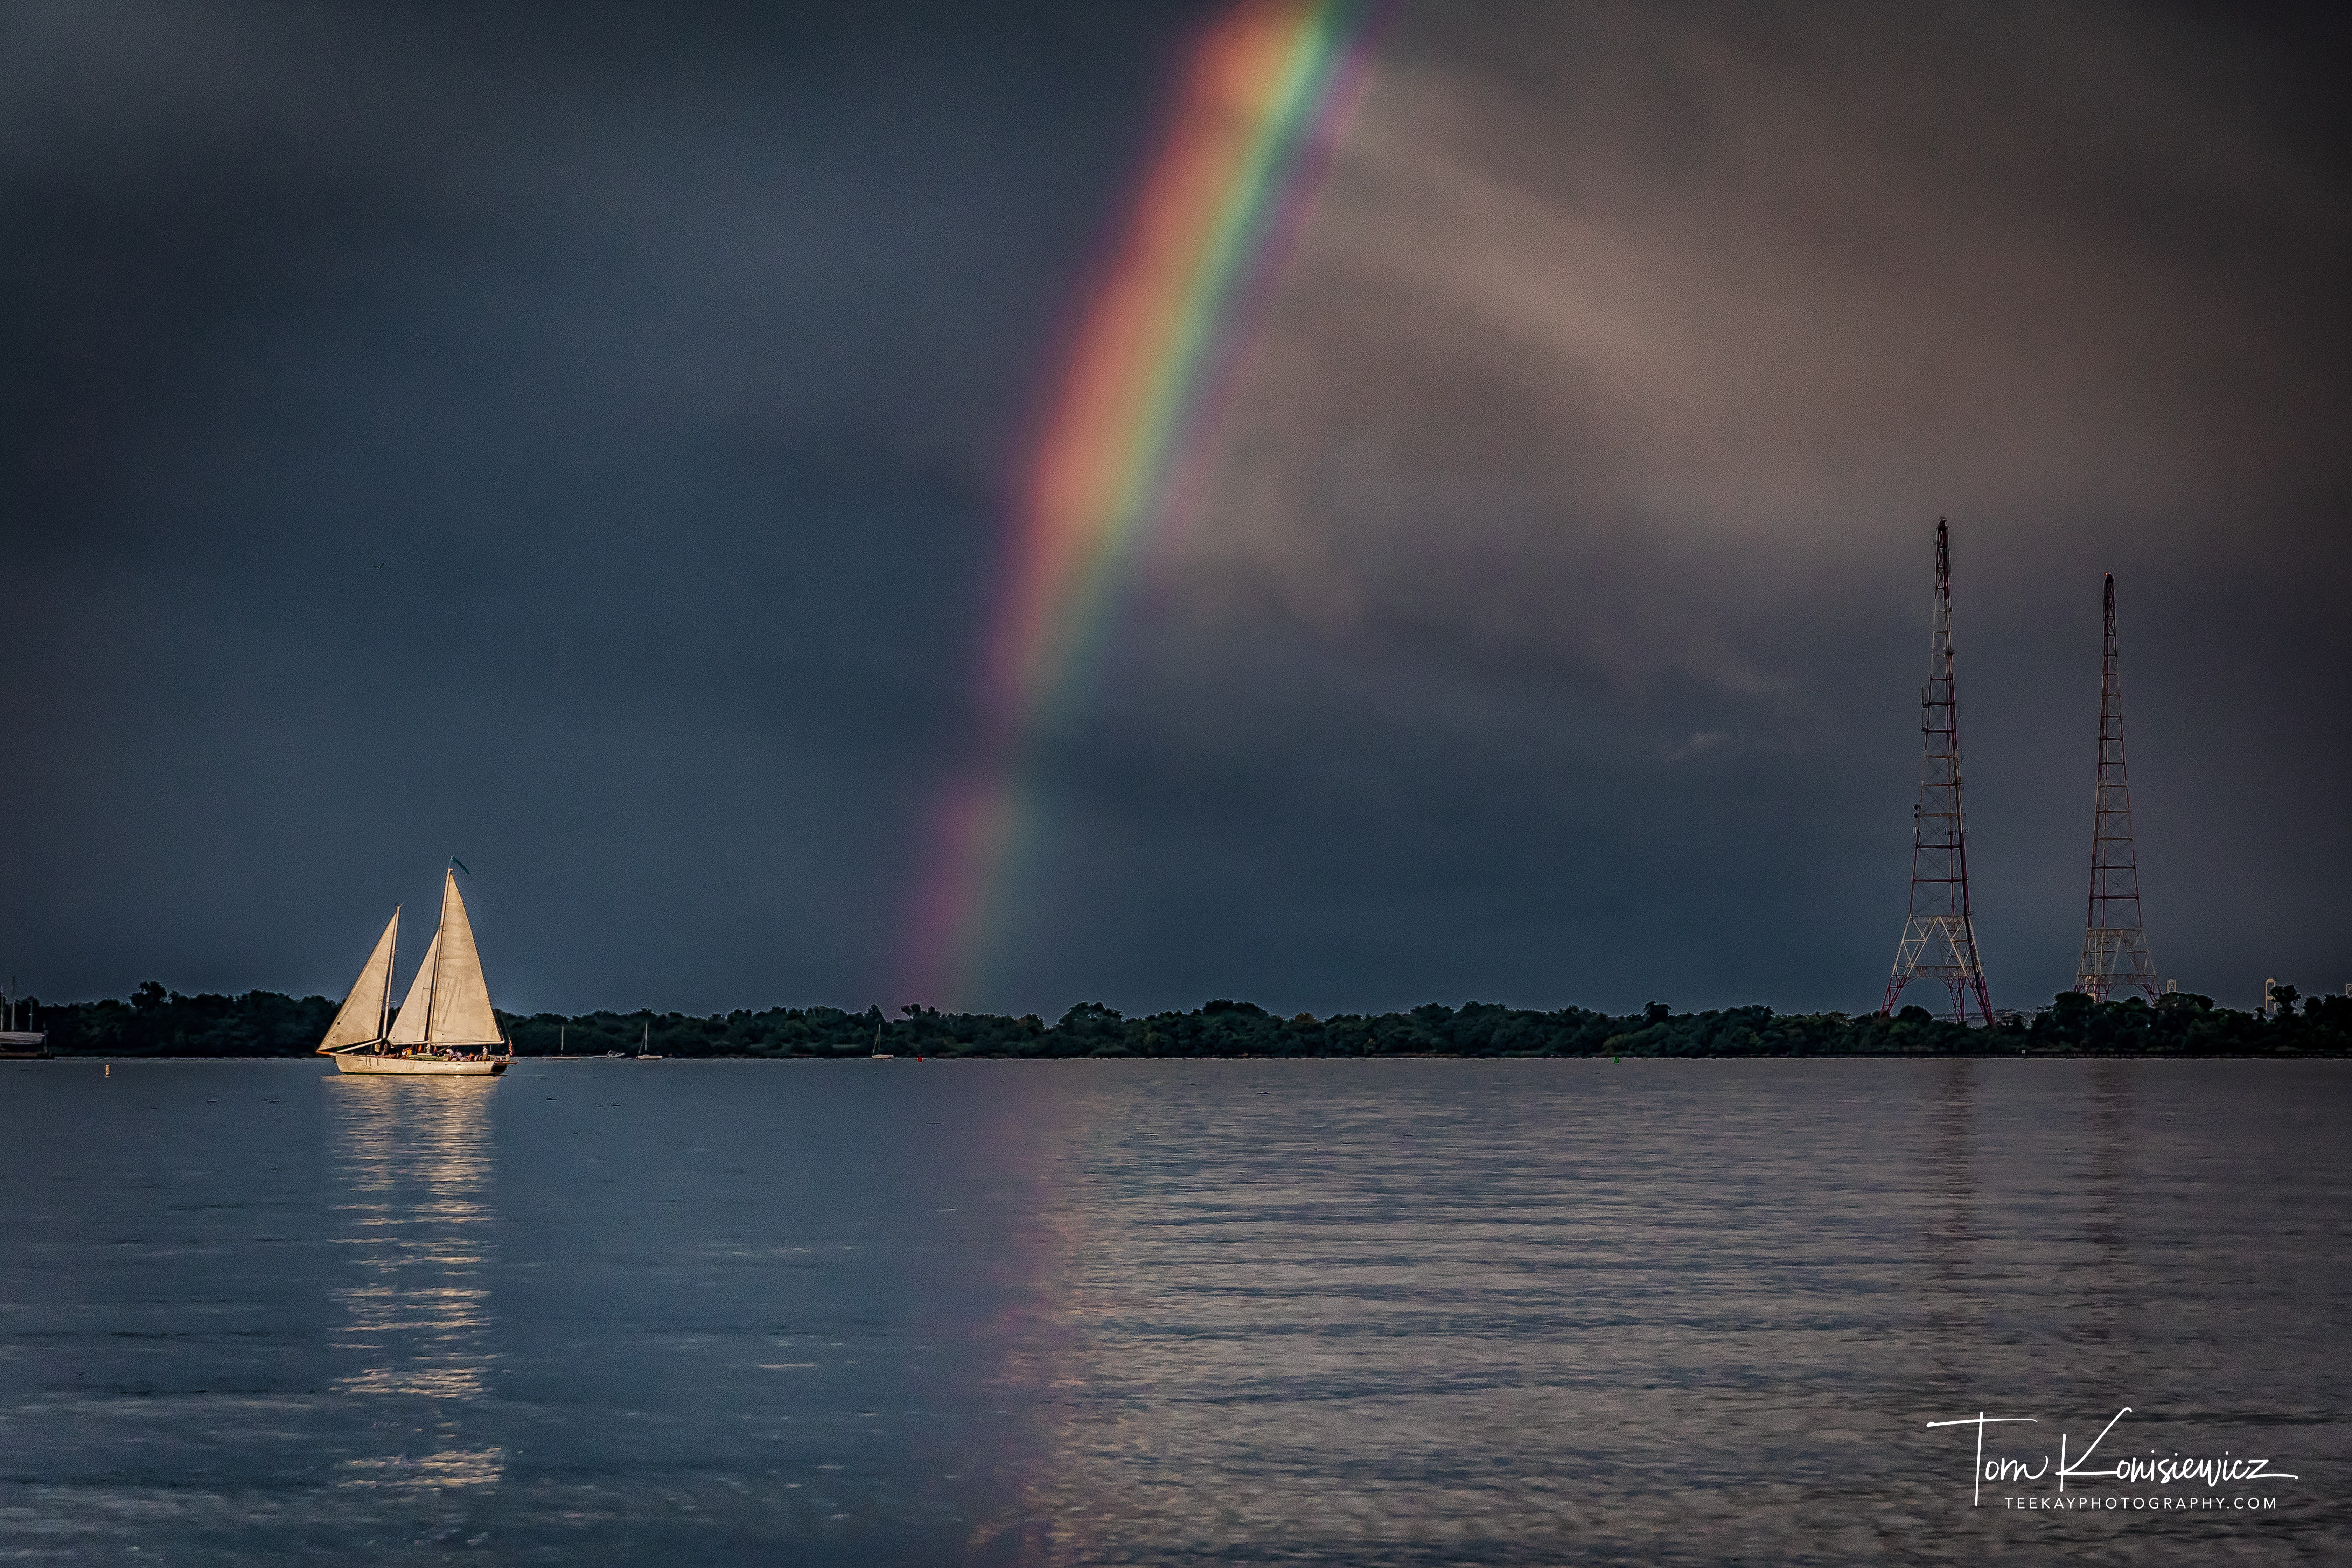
(409, 1028)
(360, 1020)
(461, 998)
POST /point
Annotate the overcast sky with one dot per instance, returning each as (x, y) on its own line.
(579, 437)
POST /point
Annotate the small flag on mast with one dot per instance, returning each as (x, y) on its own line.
(461, 865)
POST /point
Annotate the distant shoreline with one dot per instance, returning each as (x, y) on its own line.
(156, 1022)
(93, 1059)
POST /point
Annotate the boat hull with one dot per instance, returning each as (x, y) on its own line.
(431, 1066)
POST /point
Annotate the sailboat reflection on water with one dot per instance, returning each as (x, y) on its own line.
(446, 1026)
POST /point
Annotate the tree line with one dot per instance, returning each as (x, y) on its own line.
(157, 1022)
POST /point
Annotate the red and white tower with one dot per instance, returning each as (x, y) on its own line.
(2115, 949)
(1939, 938)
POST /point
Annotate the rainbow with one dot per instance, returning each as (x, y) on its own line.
(1258, 115)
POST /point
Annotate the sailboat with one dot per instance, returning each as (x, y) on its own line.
(445, 1026)
(19, 1044)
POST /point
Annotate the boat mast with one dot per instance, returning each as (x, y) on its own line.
(390, 973)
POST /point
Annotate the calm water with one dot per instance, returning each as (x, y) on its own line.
(989, 1312)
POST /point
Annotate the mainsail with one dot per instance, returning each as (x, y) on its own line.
(409, 1028)
(360, 1020)
(461, 1013)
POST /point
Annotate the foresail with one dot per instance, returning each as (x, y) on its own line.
(409, 1028)
(360, 1020)
(461, 998)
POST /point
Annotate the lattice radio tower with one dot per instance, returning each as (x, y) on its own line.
(2115, 949)
(1939, 938)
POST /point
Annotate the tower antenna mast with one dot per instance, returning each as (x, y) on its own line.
(2115, 947)
(1939, 938)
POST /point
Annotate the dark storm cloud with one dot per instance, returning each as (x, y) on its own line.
(578, 437)
(568, 435)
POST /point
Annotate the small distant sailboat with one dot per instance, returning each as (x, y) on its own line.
(645, 1051)
(19, 1044)
(446, 1026)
